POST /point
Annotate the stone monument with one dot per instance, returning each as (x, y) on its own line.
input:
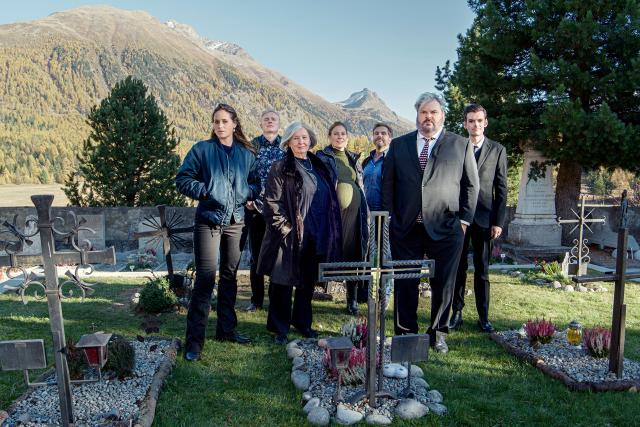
(535, 222)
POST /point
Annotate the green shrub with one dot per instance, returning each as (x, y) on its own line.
(156, 296)
(122, 357)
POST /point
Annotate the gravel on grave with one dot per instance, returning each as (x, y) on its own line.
(573, 361)
(98, 403)
(323, 387)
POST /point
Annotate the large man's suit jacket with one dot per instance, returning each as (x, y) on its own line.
(446, 192)
(492, 170)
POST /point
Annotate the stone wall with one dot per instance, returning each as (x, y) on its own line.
(120, 223)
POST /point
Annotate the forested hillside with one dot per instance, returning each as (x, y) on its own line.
(52, 71)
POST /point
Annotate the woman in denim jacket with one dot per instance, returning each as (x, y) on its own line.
(219, 173)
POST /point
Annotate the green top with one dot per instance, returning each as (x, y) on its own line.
(349, 201)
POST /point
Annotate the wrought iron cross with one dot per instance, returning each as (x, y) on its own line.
(616, 352)
(79, 257)
(378, 270)
(166, 231)
(580, 251)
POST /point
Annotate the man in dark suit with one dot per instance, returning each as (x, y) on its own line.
(488, 220)
(430, 188)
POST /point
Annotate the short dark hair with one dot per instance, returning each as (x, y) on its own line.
(473, 108)
(335, 125)
(383, 125)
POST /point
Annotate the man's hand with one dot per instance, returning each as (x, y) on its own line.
(249, 205)
(464, 227)
(495, 232)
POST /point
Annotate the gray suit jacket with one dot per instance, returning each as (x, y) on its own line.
(492, 170)
(446, 192)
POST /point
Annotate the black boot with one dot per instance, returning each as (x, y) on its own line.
(352, 304)
(456, 320)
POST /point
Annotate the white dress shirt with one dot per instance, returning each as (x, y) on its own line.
(421, 141)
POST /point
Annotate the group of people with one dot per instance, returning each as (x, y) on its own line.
(300, 208)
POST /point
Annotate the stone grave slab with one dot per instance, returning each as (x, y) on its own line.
(535, 222)
(97, 239)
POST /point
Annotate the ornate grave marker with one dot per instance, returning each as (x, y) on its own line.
(79, 257)
(166, 232)
(616, 352)
(379, 271)
(579, 254)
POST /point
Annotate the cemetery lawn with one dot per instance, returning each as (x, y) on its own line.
(250, 385)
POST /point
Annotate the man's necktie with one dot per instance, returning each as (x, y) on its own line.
(424, 154)
(423, 158)
(476, 152)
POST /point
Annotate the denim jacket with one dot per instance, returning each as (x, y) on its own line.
(221, 182)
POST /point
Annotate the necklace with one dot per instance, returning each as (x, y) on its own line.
(302, 163)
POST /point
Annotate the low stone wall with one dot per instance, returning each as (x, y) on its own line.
(120, 223)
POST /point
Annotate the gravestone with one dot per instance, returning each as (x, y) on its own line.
(97, 239)
(154, 243)
(30, 228)
(535, 221)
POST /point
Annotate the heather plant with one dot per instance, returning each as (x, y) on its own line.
(596, 341)
(539, 331)
(355, 373)
(122, 357)
(356, 330)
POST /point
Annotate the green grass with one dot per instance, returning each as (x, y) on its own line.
(249, 385)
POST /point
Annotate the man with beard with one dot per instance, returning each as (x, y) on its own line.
(430, 188)
(372, 166)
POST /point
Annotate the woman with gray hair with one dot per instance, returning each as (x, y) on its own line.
(303, 229)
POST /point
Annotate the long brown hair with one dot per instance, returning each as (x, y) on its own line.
(238, 134)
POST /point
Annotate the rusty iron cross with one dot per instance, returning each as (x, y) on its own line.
(54, 292)
(379, 270)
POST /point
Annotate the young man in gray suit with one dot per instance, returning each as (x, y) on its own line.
(488, 221)
(430, 188)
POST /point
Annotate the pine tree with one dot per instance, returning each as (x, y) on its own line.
(129, 158)
(559, 75)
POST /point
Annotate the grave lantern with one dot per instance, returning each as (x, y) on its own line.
(95, 349)
(574, 333)
(340, 351)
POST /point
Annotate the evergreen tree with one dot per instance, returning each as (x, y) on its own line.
(559, 75)
(129, 158)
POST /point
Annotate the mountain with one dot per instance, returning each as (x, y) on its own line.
(53, 70)
(367, 108)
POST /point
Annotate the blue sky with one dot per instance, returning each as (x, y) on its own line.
(331, 47)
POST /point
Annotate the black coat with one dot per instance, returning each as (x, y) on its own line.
(283, 240)
(445, 193)
(492, 169)
(328, 158)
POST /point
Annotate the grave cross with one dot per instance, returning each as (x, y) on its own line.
(616, 352)
(379, 271)
(52, 289)
(580, 250)
(166, 230)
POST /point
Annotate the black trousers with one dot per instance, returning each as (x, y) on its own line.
(480, 239)
(280, 316)
(446, 254)
(256, 227)
(211, 242)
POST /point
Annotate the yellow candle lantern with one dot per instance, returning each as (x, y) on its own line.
(574, 333)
